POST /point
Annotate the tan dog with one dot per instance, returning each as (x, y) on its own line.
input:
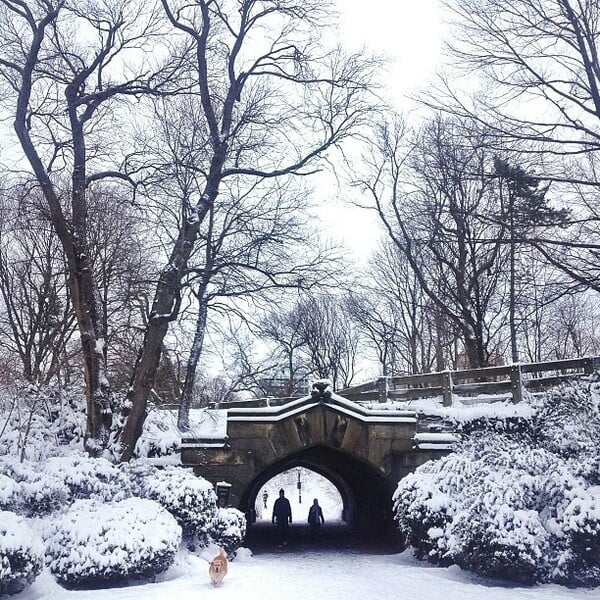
(218, 568)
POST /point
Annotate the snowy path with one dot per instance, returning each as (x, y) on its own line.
(314, 575)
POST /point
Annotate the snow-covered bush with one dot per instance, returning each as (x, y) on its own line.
(41, 495)
(580, 563)
(37, 494)
(500, 543)
(423, 511)
(87, 477)
(9, 493)
(96, 544)
(40, 421)
(189, 498)
(228, 529)
(137, 472)
(567, 422)
(160, 436)
(21, 554)
(519, 502)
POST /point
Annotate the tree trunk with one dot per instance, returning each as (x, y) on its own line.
(514, 350)
(73, 240)
(165, 308)
(187, 394)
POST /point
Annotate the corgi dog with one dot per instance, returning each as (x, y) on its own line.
(218, 568)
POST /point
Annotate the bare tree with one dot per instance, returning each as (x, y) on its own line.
(122, 257)
(540, 61)
(272, 102)
(254, 244)
(63, 65)
(540, 93)
(398, 317)
(430, 207)
(332, 340)
(37, 321)
(285, 330)
(524, 206)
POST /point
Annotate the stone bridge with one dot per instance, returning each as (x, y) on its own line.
(363, 451)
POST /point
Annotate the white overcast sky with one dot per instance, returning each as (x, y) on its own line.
(408, 33)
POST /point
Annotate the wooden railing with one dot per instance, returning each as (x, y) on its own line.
(497, 383)
(506, 381)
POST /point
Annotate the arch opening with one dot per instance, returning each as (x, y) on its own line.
(361, 496)
(301, 486)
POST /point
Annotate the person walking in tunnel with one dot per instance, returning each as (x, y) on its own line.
(282, 517)
(315, 519)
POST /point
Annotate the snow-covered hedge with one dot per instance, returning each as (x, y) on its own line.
(96, 544)
(228, 529)
(21, 554)
(31, 493)
(189, 498)
(519, 502)
(86, 478)
(40, 421)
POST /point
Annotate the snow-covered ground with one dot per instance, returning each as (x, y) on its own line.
(301, 570)
(313, 575)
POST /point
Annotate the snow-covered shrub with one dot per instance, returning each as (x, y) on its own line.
(137, 472)
(497, 424)
(96, 544)
(21, 554)
(40, 420)
(567, 422)
(516, 502)
(589, 469)
(501, 542)
(9, 493)
(160, 436)
(228, 529)
(87, 477)
(423, 512)
(38, 493)
(42, 494)
(425, 502)
(580, 563)
(189, 498)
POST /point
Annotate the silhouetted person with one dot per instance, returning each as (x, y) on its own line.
(282, 516)
(315, 519)
(265, 498)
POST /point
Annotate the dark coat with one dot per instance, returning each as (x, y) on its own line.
(282, 511)
(315, 515)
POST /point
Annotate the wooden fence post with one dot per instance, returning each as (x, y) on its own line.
(591, 365)
(516, 383)
(447, 388)
(382, 389)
